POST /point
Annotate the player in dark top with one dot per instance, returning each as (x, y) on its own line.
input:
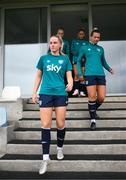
(65, 45)
(75, 48)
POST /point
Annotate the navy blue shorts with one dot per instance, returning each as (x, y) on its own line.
(52, 100)
(95, 80)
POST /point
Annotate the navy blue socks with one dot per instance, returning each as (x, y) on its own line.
(92, 110)
(46, 138)
(98, 104)
(60, 137)
(76, 84)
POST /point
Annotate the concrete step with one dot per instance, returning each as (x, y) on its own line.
(92, 149)
(81, 129)
(63, 175)
(85, 99)
(101, 153)
(109, 157)
(82, 106)
(75, 123)
(107, 99)
(80, 114)
(74, 135)
(65, 166)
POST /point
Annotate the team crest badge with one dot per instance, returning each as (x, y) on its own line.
(86, 82)
(40, 102)
(48, 61)
(60, 61)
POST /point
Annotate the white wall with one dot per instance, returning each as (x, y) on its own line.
(20, 65)
(1, 71)
(115, 53)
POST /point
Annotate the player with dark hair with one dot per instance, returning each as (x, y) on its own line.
(94, 73)
(79, 86)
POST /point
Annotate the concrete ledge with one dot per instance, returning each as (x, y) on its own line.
(74, 135)
(14, 108)
(6, 134)
(10, 131)
(77, 106)
(80, 114)
(3, 140)
(85, 99)
(109, 123)
(68, 149)
(65, 166)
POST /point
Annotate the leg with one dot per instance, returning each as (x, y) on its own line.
(82, 69)
(101, 92)
(82, 88)
(76, 81)
(91, 92)
(60, 122)
(82, 84)
(92, 105)
(46, 121)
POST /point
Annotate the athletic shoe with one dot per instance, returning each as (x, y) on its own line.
(93, 126)
(43, 166)
(76, 92)
(82, 94)
(60, 154)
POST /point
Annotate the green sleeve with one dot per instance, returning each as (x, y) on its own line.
(69, 65)
(40, 64)
(79, 59)
(104, 63)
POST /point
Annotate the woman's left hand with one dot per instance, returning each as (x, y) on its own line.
(111, 71)
(69, 87)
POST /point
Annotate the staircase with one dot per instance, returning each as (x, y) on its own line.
(99, 154)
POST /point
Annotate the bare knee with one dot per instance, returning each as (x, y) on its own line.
(101, 99)
(46, 124)
(92, 97)
(60, 124)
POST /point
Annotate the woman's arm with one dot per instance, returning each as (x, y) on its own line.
(79, 61)
(105, 64)
(36, 86)
(69, 86)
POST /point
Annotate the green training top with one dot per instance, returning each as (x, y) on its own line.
(76, 44)
(66, 47)
(95, 60)
(53, 71)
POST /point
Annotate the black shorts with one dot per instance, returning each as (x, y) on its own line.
(95, 80)
(52, 100)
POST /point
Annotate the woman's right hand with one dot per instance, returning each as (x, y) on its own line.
(35, 98)
(81, 78)
(111, 71)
